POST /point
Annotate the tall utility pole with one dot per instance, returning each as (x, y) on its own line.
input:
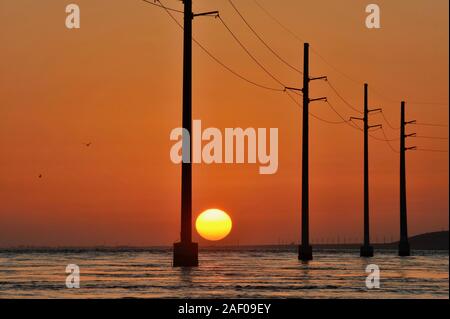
(366, 248)
(305, 249)
(185, 253)
(403, 249)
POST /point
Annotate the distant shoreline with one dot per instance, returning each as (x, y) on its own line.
(436, 241)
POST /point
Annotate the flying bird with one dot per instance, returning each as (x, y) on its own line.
(88, 144)
(40, 176)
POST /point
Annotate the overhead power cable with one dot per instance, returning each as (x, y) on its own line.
(432, 137)
(262, 40)
(342, 98)
(218, 61)
(344, 74)
(430, 124)
(278, 22)
(283, 89)
(313, 115)
(431, 150)
(250, 54)
(153, 3)
(389, 123)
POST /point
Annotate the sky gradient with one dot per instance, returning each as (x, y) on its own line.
(117, 81)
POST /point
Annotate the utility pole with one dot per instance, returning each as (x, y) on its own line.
(403, 249)
(305, 249)
(366, 249)
(185, 253)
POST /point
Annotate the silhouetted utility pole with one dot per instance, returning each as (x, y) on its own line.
(305, 249)
(185, 253)
(366, 248)
(403, 249)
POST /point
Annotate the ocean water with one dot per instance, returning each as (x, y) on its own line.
(223, 273)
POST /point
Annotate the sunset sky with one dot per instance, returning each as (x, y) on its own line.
(117, 82)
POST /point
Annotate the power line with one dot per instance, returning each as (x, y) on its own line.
(278, 22)
(375, 128)
(431, 150)
(420, 124)
(358, 82)
(386, 138)
(348, 122)
(430, 124)
(390, 99)
(162, 6)
(217, 60)
(432, 137)
(338, 114)
(355, 126)
(313, 115)
(388, 141)
(250, 54)
(335, 68)
(262, 40)
(342, 98)
(388, 123)
(302, 40)
(234, 72)
(386, 98)
(295, 92)
(429, 103)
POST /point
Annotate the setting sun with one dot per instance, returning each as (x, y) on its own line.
(213, 224)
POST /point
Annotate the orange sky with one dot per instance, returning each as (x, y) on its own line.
(117, 83)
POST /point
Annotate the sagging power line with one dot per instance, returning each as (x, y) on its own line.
(186, 252)
(332, 66)
(262, 40)
(218, 61)
(241, 44)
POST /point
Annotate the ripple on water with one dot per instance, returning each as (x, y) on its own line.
(254, 273)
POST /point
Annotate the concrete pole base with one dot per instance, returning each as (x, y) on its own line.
(305, 253)
(404, 249)
(185, 255)
(366, 251)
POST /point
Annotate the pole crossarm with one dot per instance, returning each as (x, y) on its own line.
(318, 99)
(411, 135)
(356, 118)
(375, 110)
(292, 89)
(413, 148)
(209, 13)
(319, 78)
(375, 126)
(411, 122)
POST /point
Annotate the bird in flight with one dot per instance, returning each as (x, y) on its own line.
(87, 144)
(40, 176)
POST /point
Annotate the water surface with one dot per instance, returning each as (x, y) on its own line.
(232, 273)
